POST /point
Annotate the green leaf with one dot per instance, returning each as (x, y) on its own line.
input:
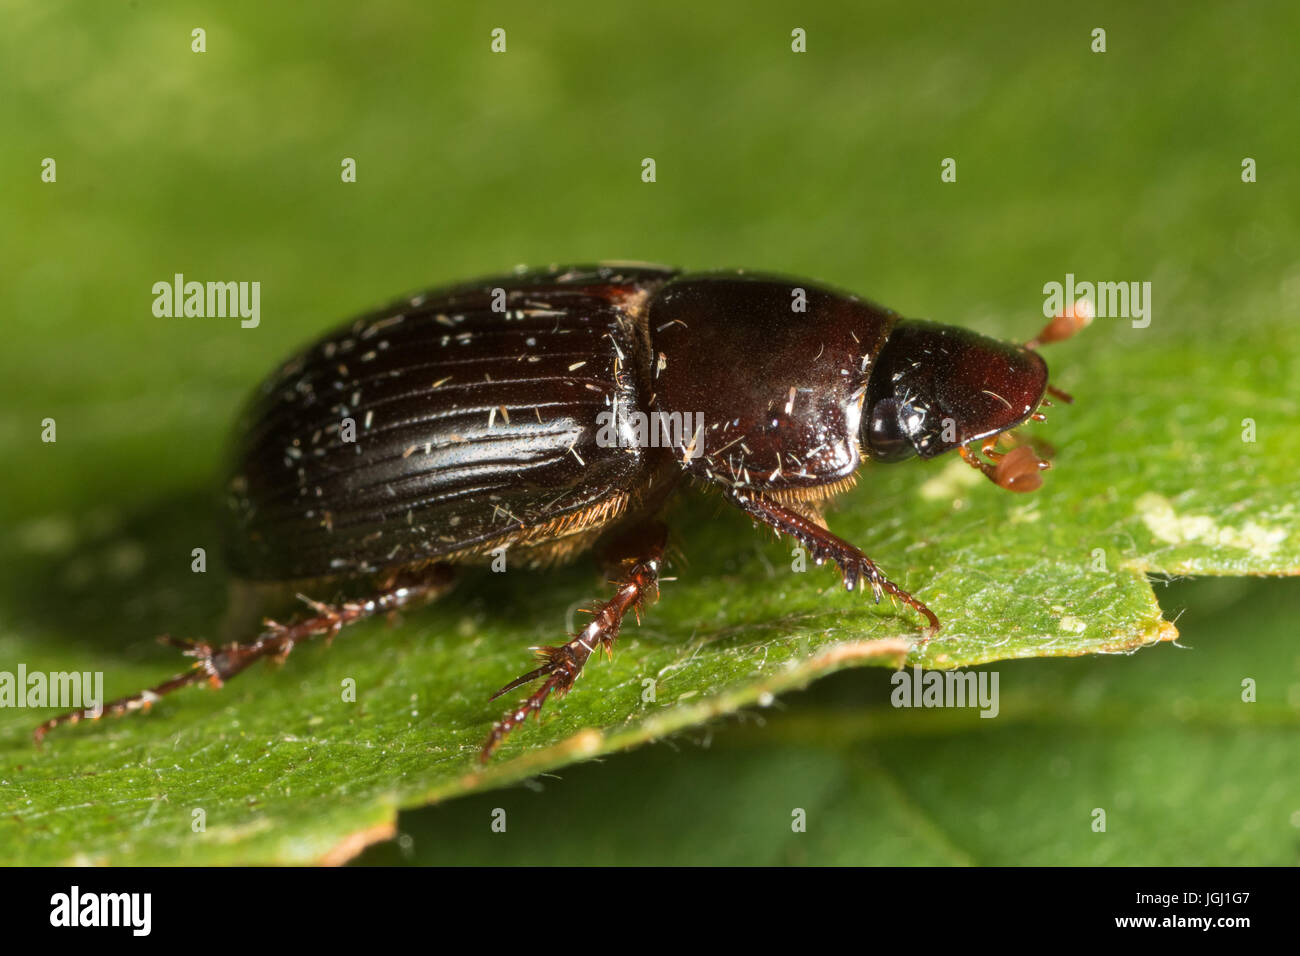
(1070, 163)
(1186, 770)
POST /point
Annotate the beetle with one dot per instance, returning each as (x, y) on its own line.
(509, 415)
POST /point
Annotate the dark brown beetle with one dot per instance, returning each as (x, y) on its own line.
(549, 412)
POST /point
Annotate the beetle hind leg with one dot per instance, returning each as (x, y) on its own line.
(637, 584)
(215, 664)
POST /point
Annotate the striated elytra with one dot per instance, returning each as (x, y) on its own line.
(536, 416)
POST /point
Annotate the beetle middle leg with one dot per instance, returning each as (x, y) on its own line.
(639, 558)
(823, 546)
(215, 664)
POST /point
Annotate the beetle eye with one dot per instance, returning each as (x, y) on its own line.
(886, 440)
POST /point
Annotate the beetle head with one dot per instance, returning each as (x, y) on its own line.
(935, 388)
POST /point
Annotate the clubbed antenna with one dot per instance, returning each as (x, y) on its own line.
(1016, 470)
(1066, 323)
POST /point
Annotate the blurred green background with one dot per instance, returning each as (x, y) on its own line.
(226, 164)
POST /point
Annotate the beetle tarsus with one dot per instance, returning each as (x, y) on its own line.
(638, 584)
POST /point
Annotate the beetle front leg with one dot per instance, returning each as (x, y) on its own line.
(824, 546)
(639, 559)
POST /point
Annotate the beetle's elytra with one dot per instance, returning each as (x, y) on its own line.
(550, 412)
